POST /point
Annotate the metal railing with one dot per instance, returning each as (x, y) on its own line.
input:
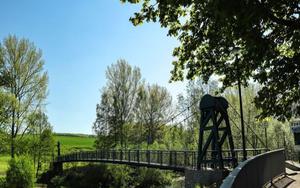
(257, 171)
(172, 160)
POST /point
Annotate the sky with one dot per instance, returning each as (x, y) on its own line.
(79, 39)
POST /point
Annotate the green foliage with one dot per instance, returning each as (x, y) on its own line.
(187, 131)
(152, 111)
(85, 176)
(117, 101)
(130, 111)
(46, 142)
(43, 149)
(23, 81)
(111, 176)
(148, 177)
(235, 40)
(5, 102)
(38, 142)
(57, 181)
(2, 182)
(121, 175)
(20, 173)
(23, 146)
(278, 133)
(254, 127)
(3, 164)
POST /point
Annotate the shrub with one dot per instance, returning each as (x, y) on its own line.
(91, 176)
(20, 173)
(149, 177)
(121, 174)
(103, 175)
(2, 182)
(45, 177)
(57, 181)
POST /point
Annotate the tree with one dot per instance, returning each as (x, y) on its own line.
(153, 109)
(117, 100)
(20, 173)
(4, 119)
(42, 140)
(4, 109)
(238, 40)
(25, 83)
(104, 126)
(253, 127)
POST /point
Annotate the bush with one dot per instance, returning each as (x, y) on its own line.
(45, 177)
(121, 175)
(149, 177)
(2, 182)
(109, 176)
(57, 181)
(20, 173)
(91, 176)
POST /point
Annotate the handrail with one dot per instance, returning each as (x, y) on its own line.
(156, 158)
(178, 160)
(257, 171)
(144, 150)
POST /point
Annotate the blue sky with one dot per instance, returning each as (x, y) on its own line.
(79, 39)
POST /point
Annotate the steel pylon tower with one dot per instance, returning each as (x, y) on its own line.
(214, 109)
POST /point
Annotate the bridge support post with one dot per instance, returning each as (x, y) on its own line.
(58, 168)
(58, 148)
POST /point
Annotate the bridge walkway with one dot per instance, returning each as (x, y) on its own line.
(168, 160)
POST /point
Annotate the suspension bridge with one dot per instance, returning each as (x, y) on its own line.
(212, 163)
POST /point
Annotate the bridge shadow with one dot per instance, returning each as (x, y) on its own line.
(281, 182)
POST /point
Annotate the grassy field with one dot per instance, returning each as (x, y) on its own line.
(75, 142)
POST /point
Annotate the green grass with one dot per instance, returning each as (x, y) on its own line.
(3, 164)
(73, 142)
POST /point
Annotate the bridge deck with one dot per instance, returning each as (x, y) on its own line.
(168, 160)
(133, 163)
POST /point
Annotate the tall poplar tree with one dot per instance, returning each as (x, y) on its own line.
(117, 100)
(25, 82)
(153, 109)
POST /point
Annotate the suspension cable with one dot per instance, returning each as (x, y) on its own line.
(247, 125)
(233, 122)
(181, 112)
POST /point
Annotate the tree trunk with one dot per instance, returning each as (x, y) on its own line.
(121, 134)
(13, 135)
(38, 163)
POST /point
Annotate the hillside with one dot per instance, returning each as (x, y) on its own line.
(74, 142)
